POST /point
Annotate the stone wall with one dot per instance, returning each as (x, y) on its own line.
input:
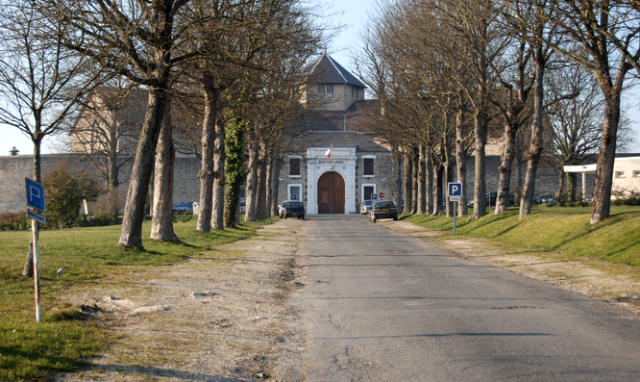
(13, 171)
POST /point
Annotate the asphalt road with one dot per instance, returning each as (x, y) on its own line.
(384, 306)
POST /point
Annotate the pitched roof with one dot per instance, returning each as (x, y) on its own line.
(337, 139)
(330, 72)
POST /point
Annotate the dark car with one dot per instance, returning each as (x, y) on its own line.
(292, 208)
(383, 210)
(183, 208)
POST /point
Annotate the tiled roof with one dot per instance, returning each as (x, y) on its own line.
(337, 139)
(330, 72)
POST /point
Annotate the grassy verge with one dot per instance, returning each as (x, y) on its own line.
(565, 229)
(30, 351)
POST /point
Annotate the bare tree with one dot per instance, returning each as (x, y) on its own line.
(137, 40)
(589, 27)
(41, 82)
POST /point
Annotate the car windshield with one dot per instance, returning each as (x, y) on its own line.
(183, 204)
(293, 205)
(368, 202)
(384, 204)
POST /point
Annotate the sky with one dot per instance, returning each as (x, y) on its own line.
(352, 15)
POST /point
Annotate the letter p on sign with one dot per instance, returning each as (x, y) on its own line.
(455, 191)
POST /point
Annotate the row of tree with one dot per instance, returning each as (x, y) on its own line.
(227, 74)
(449, 72)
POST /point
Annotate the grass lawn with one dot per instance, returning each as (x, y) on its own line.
(566, 229)
(30, 351)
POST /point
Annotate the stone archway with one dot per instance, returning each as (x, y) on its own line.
(331, 193)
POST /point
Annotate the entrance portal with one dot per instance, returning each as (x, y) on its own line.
(331, 194)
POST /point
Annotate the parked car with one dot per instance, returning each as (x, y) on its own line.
(383, 210)
(183, 208)
(365, 207)
(545, 199)
(292, 208)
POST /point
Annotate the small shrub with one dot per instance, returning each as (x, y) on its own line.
(182, 217)
(65, 193)
(100, 219)
(14, 221)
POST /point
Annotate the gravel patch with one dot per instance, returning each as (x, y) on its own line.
(221, 316)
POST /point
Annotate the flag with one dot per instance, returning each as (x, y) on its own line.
(328, 153)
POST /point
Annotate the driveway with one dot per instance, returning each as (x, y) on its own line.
(379, 305)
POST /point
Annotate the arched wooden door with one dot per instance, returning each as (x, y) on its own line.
(331, 194)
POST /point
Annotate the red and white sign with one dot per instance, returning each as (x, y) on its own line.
(381, 195)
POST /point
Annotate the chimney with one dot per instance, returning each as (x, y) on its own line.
(14, 152)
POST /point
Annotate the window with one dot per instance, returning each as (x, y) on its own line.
(636, 173)
(620, 174)
(368, 167)
(320, 88)
(367, 192)
(353, 92)
(294, 192)
(294, 167)
(330, 89)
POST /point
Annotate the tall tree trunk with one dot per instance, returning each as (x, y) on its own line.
(438, 172)
(219, 158)
(208, 142)
(396, 176)
(429, 184)
(262, 184)
(133, 217)
(571, 185)
(268, 189)
(251, 191)
(162, 222)
(408, 186)
(607, 155)
(422, 181)
(537, 132)
(506, 164)
(520, 180)
(27, 270)
(448, 173)
(414, 177)
(461, 163)
(276, 165)
(480, 186)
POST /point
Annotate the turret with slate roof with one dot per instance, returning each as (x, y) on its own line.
(337, 84)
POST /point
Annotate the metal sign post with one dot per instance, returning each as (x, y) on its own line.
(35, 199)
(455, 194)
(455, 213)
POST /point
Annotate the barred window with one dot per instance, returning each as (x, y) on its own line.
(368, 167)
(294, 167)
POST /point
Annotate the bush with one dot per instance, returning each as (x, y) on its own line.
(65, 193)
(100, 219)
(182, 217)
(14, 221)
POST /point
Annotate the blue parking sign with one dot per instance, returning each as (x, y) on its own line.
(35, 194)
(455, 189)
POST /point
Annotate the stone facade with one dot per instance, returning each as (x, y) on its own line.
(13, 171)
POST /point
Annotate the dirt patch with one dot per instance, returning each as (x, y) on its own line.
(218, 317)
(617, 284)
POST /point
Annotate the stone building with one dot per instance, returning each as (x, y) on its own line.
(358, 166)
(355, 168)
